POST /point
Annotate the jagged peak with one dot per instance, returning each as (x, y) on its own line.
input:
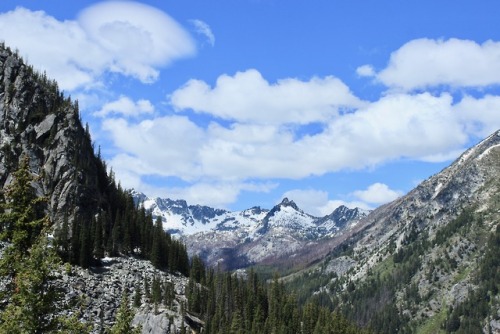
(286, 202)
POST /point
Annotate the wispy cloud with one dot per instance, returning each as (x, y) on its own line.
(204, 29)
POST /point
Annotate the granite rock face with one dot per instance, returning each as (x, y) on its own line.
(37, 121)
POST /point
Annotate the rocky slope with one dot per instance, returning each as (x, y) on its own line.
(421, 256)
(253, 236)
(37, 121)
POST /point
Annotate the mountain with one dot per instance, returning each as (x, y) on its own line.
(254, 236)
(427, 262)
(59, 204)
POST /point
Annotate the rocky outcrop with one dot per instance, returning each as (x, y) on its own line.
(97, 293)
(37, 121)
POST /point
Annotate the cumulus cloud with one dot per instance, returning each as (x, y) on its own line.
(395, 127)
(423, 63)
(365, 71)
(248, 97)
(126, 37)
(165, 146)
(204, 29)
(480, 116)
(126, 107)
(378, 193)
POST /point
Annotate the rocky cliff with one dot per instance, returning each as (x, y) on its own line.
(38, 121)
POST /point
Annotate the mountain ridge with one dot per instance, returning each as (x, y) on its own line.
(242, 238)
(421, 261)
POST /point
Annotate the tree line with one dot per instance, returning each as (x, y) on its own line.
(232, 303)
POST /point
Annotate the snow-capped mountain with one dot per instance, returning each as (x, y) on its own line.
(239, 238)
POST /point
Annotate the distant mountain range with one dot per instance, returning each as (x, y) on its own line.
(238, 239)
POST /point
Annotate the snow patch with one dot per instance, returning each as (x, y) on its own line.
(437, 190)
(487, 151)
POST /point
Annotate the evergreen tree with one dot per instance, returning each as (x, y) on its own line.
(156, 292)
(61, 240)
(156, 249)
(98, 248)
(124, 318)
(23, 217)
(137, 296)
(28, 263)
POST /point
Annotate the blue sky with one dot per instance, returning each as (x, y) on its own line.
(236, 103)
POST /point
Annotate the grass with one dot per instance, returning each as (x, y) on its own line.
(433, 324)
(384, 268)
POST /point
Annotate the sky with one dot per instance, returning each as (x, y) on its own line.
(240, 103)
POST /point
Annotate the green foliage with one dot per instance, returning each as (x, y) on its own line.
(124, 317)
(482, 302)
(29, 262)
(232, 304)
(23, 217)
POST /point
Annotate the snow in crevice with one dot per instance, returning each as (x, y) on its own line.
(482, 155)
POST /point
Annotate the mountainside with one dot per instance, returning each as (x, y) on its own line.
(58, 204)
(253, 236)
(38, 122)
(427, 262)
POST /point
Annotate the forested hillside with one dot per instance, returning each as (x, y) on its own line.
(426, 263)
(63, 218)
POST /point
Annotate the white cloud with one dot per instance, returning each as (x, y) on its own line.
(425, 63)
(137, 37)
(204, 29)
(365, 71)
(126, 37)
(480, 116)
(248, 97)
(396, 126)
(377, 193)
(165, 146)
(126, 107)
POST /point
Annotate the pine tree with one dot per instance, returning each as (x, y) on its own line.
(147, 291)
(29, 263)
(22, 218)
(156, 249)
(98, 248)
(137, 296)
(62, 240)
(124, 318)
(156, 293)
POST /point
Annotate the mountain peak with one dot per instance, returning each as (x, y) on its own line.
(288, 203)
